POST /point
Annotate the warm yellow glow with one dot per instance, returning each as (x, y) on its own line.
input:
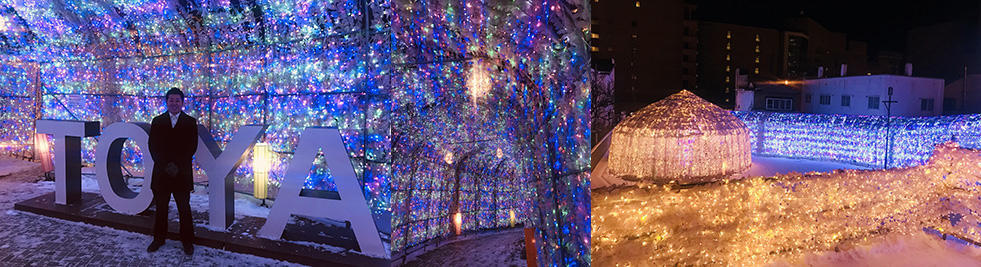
(682, 138)
(262, 158)
(43, 152)
(457, 223)
(448, 158)
(761, 220)
(479, 81)
(500, 153)
(786, 82)
(512, 220)
(636, 3)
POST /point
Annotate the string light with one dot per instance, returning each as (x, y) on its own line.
(681, 138)
(391, 76)
(762, 220)
(859, 140)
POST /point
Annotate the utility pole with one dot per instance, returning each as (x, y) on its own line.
(889, 102)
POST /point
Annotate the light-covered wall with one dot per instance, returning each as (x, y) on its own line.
(909, 91)
(855, 139)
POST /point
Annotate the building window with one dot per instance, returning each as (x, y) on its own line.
(779, 104)
(825, 99)
(636, 3)
(757, 48)
(594, 35)
(874, 102)
(728, 46)
(756, 60)
(926, 104)
(756, 70)
(594, 49)
(685, 57)
(728, 34)
(727, 57)
(757, 37)
(684, 71)
(807, 98)
(846, 100)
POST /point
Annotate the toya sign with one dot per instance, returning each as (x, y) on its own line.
(219, 166)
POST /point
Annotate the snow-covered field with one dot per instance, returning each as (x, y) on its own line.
(762, 166)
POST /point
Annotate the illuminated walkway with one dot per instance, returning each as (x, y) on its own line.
(500, 249)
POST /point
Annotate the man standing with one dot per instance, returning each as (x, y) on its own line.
(173, 141)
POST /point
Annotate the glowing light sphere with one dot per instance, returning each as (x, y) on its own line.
(681, 138)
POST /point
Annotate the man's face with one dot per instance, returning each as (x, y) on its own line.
(174, 103)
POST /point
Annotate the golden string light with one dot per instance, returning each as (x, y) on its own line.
(681, 138)
(767, 219)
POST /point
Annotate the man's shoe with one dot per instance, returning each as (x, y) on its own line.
(188, 249)
(154, 246)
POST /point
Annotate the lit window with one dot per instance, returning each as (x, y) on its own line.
(727, 68)
(757, 37)
(728, 34)
(757, 48)
(756, 60)
(594, 35)
(594, 49)
(756, 70)
(637, 4)
(728, 47)
(727, 57)
(727, 79)
(633, 36)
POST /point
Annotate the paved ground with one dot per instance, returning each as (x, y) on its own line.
(502, 249)
(34, 240)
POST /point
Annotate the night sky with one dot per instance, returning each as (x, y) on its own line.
(881, 23)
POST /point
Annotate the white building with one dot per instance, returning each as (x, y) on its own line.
(864, 95)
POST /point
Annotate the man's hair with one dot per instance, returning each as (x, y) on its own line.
(174, 91)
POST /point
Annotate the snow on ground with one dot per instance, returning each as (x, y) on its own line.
(762, 166)
(772, 166)
(30, 239)
(917, 250)
(503, 248)
(11, 166)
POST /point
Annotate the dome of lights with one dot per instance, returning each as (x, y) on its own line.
(681, 138)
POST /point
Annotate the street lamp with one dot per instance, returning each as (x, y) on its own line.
(889, 102)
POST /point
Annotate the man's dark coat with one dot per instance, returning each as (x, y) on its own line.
(173, 145)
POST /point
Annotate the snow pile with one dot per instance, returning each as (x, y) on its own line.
(916, 250)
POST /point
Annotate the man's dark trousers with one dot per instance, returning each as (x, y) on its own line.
(161, 198)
